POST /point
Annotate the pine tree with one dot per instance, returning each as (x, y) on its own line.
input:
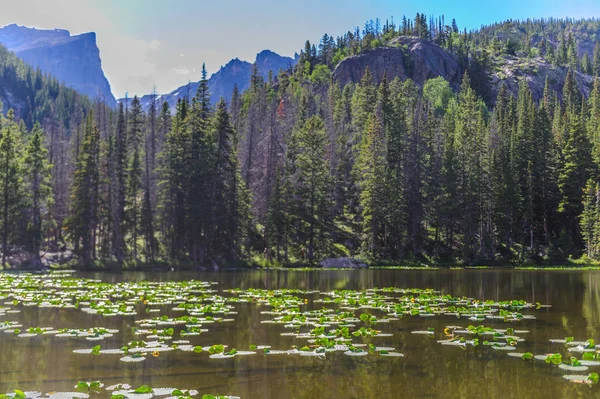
(149, 199)
(11, 183)
(521, 159)
(120, 166)
(276, 217)
(562, 51)
(503, 176)
(134, 186)
(590, 218)
(572, 58)
(311, 185)
(593, 120)
(551, 55)
(38, 183)
(363, 102)
(545, 189)
(468, 147)
(84, 193)
(372, 171)
(596, 60)
(396, 133)
(173, 185)
(224, 192)
(586, 64)
(198, 163)
(103, 235)
(573, 177)
(571, 94)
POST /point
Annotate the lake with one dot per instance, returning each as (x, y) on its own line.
(428, 369)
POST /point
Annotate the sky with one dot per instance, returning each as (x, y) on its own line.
(161, 44)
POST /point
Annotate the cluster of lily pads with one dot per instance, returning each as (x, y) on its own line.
(485, 338)
(318, 324)
(83, 389)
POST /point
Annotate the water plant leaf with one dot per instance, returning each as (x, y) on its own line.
(554, 359)
(589, 356)
(527, 356)
(82, 386)
(143, 389)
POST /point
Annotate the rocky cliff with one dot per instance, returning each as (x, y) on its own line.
(406, 58)
(419, 59)
(73, 60)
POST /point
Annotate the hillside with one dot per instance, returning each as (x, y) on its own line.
(73, 60)
(502, 54)
(34, 96)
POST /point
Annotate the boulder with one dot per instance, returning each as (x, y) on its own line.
(343, 263)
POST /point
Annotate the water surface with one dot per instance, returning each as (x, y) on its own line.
(428, 370)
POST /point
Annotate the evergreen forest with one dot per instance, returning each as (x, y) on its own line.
(299, 168)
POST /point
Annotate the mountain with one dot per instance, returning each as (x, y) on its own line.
(73, 60)
(37, 97)
(221, 83)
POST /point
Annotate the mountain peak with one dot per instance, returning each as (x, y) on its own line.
(266, 53)
(74, 60)
(235, 73)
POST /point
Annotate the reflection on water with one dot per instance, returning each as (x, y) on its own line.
(428, 369)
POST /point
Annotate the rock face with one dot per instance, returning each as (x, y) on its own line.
(221, 83)
(407, 58)
(73, 60)
(534, 72)
(343, 263)
(420, 60)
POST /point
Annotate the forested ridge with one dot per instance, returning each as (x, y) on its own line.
(297, 168)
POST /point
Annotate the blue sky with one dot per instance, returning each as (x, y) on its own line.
(162, 43)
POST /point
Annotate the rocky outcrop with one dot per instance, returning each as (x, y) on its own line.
(73, 60)
(382, 60)
(343, 263)
(427, 60)
(420, 60)
(406, 58)
(221, 83)
(534, 71)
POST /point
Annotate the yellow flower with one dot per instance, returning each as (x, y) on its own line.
(156, 353)
(447, 331)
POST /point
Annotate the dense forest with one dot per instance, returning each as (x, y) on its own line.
(297, 168)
